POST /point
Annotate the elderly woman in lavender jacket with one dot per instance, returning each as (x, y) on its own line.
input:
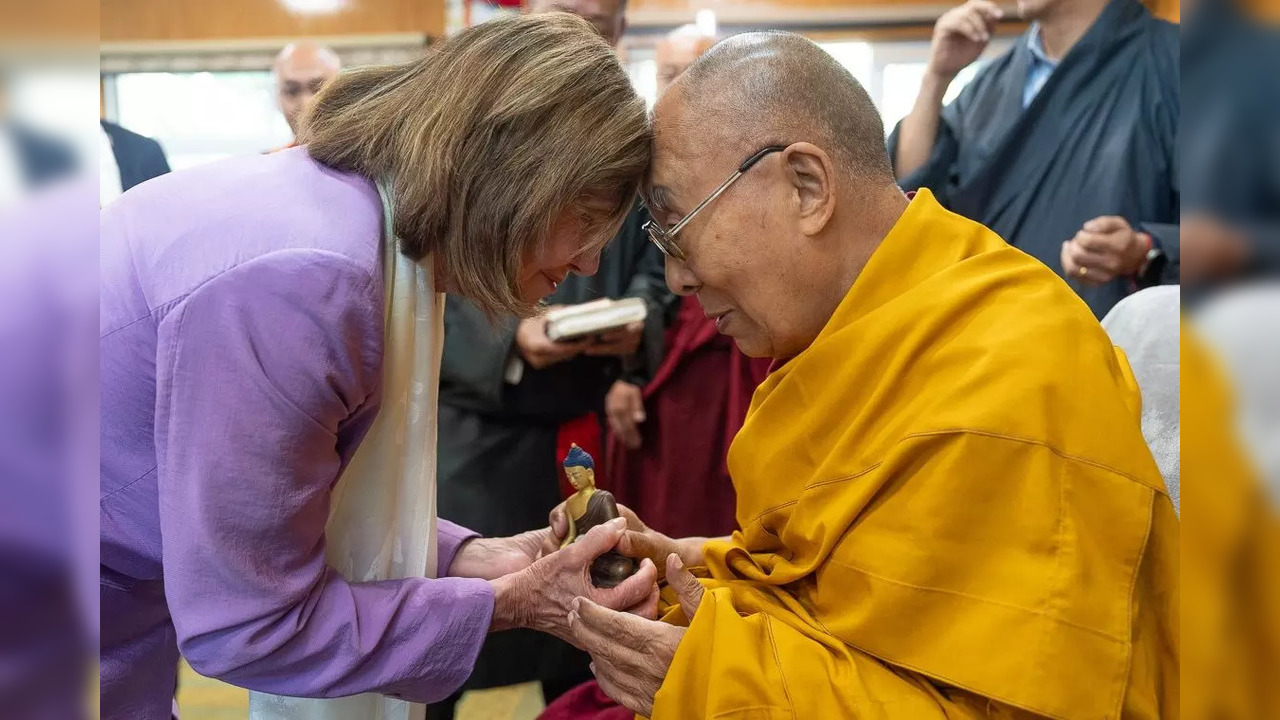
(245, 355)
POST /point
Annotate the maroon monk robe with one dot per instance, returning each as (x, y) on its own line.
(586, 702)
(678, 481)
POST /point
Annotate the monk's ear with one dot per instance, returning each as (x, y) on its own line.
(812, 176)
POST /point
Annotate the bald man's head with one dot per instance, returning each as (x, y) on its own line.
(677, 51)
(301, 69)
(810, 192)
(783, 87)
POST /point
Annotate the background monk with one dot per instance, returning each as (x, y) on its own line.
(947, 506)
(668, 442)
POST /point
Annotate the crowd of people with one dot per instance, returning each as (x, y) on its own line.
(872, 445)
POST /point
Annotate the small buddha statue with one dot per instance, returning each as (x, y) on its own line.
(587, 508)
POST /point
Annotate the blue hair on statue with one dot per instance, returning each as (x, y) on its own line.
(578, 457)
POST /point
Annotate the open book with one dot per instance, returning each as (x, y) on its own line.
(595, 317)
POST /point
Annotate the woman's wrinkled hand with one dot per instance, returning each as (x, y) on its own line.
(491, 558)
(539, 597)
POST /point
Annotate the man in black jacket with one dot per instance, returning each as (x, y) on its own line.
(137, 158)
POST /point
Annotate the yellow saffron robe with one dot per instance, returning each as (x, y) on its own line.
(946, 509)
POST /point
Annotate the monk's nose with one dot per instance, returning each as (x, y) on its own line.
(680, 279)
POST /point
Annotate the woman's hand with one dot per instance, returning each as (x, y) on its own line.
(539, 597)
(631, 655)
(491, 558)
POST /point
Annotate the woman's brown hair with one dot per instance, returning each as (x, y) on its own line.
(487, 140)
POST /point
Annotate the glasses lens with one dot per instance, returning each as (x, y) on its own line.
(659, 237)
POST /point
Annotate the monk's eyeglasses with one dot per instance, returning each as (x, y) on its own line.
(666, 239)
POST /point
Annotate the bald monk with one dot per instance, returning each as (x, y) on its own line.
(665, 455)
(300, 70)
(947, 508)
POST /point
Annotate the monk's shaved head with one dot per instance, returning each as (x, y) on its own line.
(770, 186)
(766, 88)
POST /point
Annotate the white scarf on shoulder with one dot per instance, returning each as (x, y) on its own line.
(382, 516)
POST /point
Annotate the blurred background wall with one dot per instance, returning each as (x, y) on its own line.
(196, 75)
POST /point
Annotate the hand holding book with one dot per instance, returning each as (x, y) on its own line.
(600, 328)
(597, 317)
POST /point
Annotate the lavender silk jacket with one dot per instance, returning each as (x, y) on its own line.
(241, 349)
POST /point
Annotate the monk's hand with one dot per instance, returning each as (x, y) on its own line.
(639, 541)
(688, 590)
(622, 342)
(960, 36)
(648, 607)
(651, 544)
(624, 407)
(539, 596)
(630, 655)
(1106, 248)
(541, 351)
